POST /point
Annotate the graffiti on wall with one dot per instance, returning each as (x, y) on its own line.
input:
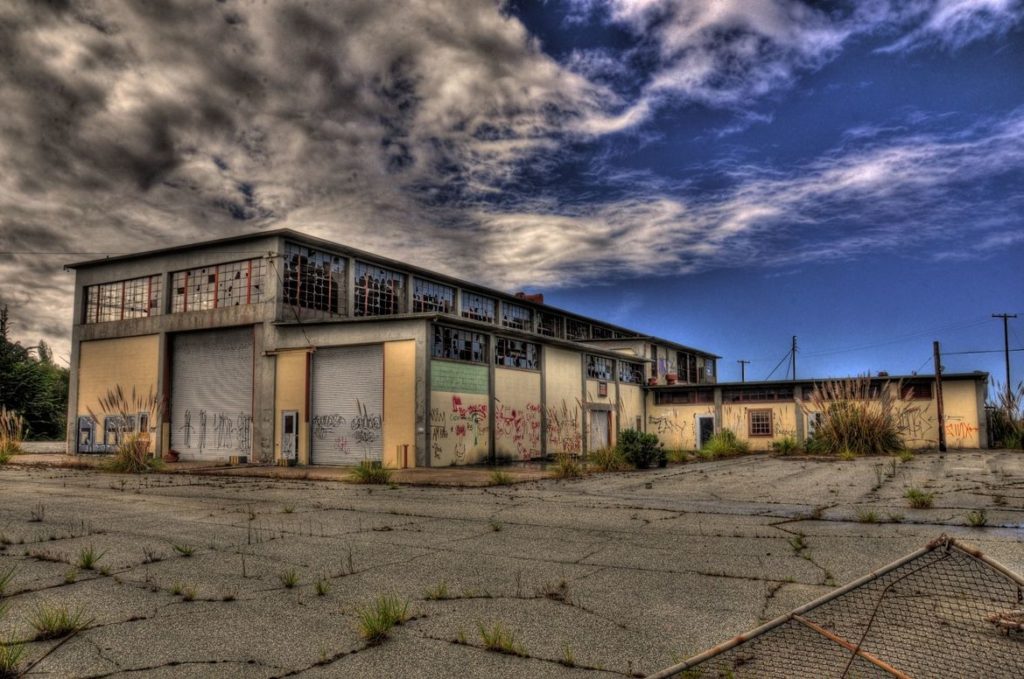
(564, 432)
(917, 424)
(217, 431)
(362, 429)
(518, 429)
(957, 428)
(457, 430)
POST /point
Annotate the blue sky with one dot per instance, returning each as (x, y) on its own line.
(727, 174)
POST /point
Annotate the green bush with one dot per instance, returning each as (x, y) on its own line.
(641, 449)
(608, 460)
(724, 444)
(371, 471)
(787, 445)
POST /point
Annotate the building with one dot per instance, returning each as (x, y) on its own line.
(280, 346)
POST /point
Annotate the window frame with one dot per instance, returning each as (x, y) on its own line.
(396, 299)
(419, 303)
(635, 371)
(516, 317)
(468, 297)
(211, 290)
(532, 365)
(315, 269)
(107, 302)
(440, 338)
(601, 376)
(751, 424)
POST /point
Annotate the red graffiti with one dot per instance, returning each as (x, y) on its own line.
(960, 429)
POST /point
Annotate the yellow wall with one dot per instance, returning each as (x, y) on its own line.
(399, 403)
(290, 394)
(960, 405)
(128, 362)
(735, 417)
(517, 410)
(459, 423)
(675, 425)
(631, 406)
(563, 375)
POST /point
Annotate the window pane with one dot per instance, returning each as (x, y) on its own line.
(314, 279)
(510, 353)
(599, 368)
(477, 307)
(428, 297)
(515, 316)
(379, 292)
(459, 345)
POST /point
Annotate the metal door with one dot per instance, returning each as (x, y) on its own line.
(211, 393)
(289, 434)
(348, 405)
(599, 429)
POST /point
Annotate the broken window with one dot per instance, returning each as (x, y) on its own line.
(314, 279)
(918, 390)
(576, 330)
(516, 317)
(510, 353)
(599, 368)
(218, 285)
(760, 422)
(549, 324)
(687, 367)
(459, 345)
(379, 291)
(477, 307)
(132, 298)
(757, 394)
(633, 373)
(601, 332)
(432, 297)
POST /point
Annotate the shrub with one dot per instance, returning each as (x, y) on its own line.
(855, 416)
(12, 433)
(132, 455)
(500, 640)
(55, 622)
(723, 444)
(787, 445)
(679, 456)
(376, 620)
(977, 518)
(567, 467)
(608, 460)
(919, 499)
(500, 478)
(371, 471)
(641, 449)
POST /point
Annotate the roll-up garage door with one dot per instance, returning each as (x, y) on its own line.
(348, 404)
(211, 394)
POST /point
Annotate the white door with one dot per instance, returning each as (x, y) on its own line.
(211, 393)
(599, 429)
(348, 405)
(289, 434)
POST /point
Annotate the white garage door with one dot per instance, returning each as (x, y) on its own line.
(211, 394)
(348, 404)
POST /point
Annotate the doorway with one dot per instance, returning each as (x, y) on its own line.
(600, 430)
(705, 429)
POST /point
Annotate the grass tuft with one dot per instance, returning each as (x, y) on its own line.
(323, 586)
(501, 640)
(88, 558)
(370, 472)
(865, 515)
(567, 467)
(376, 620)
(438, 592)
(57, 621)
(500, 478)
(723, 444)
(977, 518)
(5, 579)
(608, 460)
(185, 550)
(919, 499)
(905, 455)
(290, 578)
(787, 445)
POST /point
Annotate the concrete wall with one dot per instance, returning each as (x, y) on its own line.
(675, 425)
(292, 387)
(517, 414)
(736, 416)
(399, 434)
(459, 413)
(563, 380)
(631, 407)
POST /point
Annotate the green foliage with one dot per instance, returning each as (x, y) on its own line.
(567, 467)
(376, 620)
(723, 444)
(905, 455)
(787, 445)
(500, 478)
(10, 658)
(865, 515)
(33, 386)
(438, 592)
(1006, 416)
(641, 449)
(501, 640)
(608, 460)
(857, 416)
(289, 578)
(323, 586)
(977, 518)
(919, 499)
(185, 550)
(57, 621)
(132, 454)
(88, 557)
(371, 471)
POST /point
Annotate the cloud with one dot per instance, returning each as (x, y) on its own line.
(957, 23)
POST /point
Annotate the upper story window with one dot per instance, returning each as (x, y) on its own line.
(218, 285)
(759, 423)
(379, 291)
(599, 368)
(757, 394)
(600, 332)
(633, 373)
(510, 353)
(917, 390)
(679, 396)
(132, 298)
(428, 296)
(459, 345)
(576, 330)
(314, 279)
(549, 324)
(515, 316)
(687, 365)
(478, 307)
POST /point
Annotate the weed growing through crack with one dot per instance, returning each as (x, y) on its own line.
(5, 579)
(568, 659)
(188, 593)
(905, 455)
(176, 589)
(501, 640)
(460, 637)
(37, 513)
(377, 619)
(71, 576)
(556, 591)
(370, 472)
(999, 500)
(500, 478)
(977, 518)
(10, 658)
(229, 596)
(918, 498)
(57, 621)
(438, 592)
(797, 543)
(185, 550)
(847, 455)
(290, 578)
(288, 509)
(895, 517)
(322, 586)
(865, 515)
(567, 467)
(88, 557)
(495, 525)
(150, 555)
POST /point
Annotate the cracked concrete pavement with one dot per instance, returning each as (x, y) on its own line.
(600, 576)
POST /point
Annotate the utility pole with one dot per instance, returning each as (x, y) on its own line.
(743, 369)
(1006, 349)
(938, 396)
(792, 352)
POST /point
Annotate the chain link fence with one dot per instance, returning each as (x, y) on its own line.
(943, 611)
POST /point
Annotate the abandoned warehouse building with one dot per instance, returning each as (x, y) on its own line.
(278, 346)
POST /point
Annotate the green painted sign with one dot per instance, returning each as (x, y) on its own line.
(458, 378)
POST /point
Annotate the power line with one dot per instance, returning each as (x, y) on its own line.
(980, 351)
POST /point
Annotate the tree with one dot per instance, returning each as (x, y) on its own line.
(33, 385)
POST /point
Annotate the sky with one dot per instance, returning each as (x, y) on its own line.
(724, 174)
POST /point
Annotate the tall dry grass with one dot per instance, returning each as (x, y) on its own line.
(133, 454)
(856, 417)
(12, 433)
(1008, 415)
